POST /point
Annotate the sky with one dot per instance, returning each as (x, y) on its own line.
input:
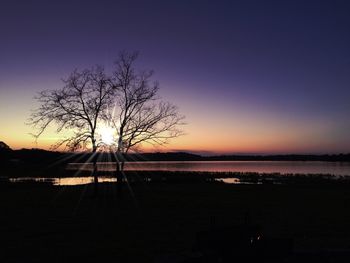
(250, 76)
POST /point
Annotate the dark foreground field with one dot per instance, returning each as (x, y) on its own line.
(44, 223)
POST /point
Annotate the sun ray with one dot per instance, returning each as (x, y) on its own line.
(61, 159)
(128, 184)
(62, 189)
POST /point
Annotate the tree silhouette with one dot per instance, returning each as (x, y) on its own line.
(4, 147)
(140, 116)
(127, 101)
(78, 106)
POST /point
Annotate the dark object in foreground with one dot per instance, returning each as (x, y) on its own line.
(241, 243)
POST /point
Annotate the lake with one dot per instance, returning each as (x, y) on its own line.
(283, 167)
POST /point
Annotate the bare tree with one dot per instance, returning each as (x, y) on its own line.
(127, 101)
(140, 116)
(78, 106)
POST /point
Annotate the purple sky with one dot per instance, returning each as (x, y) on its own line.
(251, 76)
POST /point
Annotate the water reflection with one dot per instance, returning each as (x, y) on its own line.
(88, 180)
(64, 181)
(228, 180)
(236, 181)
(283, 167)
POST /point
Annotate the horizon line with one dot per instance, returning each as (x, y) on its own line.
(199, 153)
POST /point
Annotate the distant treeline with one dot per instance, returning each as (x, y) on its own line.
(37, 156)
(287, 157)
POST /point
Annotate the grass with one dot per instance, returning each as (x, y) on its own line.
(40, 222)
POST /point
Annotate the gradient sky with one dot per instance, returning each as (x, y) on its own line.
(250, 76)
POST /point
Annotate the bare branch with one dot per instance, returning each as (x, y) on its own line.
(77, 106)
(128, 100)
(142, 118)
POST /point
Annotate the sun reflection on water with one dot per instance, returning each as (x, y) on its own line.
(65, 181)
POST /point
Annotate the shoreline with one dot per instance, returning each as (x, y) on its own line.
(151, 177)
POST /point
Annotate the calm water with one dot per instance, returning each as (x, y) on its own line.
(283, 167)
(89, 180)
(64, 181)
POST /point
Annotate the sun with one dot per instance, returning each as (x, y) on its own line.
(107, 135)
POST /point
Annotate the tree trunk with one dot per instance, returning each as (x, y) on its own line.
(94, 170)
(119, 174)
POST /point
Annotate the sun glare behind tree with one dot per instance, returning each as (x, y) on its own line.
(107, 135)
(82, 106)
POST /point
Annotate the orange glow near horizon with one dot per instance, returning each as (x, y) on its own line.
(247, 131)
(250, 78)
(247, 138)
